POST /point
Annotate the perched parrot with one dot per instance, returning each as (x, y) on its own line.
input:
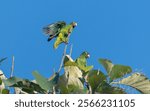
(59, 30)
(82, 62)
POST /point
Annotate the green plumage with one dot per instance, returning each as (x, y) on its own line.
(82, 62)
(59, 30)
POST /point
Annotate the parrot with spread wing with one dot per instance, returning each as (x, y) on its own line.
(82, 62)
(59, 30)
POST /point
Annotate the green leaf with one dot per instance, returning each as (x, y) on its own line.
(73, 71)
(94, 78)
(117, 90)
(137, 81)
(119, 71)
(107, 64)
(42, 81)
(29, 87)
(68, 61)
(75, 82)
(11, 81)
(105, 88)
(71, 76)
(115, 71)
(70, 85)
(5, 91)
(63, 84)
(24, 85)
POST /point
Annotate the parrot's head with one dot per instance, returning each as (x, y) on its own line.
(74, 24)
(85, 54)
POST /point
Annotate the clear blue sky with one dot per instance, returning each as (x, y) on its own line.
(115, 29)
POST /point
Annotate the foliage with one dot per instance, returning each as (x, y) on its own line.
(115, 71)
(3, 88)
(137, 81)
(78, 77)
(74, 82)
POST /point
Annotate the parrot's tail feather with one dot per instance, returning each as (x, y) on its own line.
(46, 30)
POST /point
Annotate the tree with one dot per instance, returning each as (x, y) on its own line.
(78, 78)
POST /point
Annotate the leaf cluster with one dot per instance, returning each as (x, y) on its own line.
(79, 79)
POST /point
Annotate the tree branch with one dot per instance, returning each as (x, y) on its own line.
(71, 50)
(63, 57)
(12, 67)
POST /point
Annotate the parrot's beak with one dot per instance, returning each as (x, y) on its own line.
(74, 24)
(88, 56)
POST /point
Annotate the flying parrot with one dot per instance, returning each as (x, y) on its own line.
(59, 30)
(82, 62)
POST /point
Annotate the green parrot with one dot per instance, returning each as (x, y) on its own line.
(59, 30)
(82, 62)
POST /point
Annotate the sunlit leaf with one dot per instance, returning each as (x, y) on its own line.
(70, 63)
(75, 82)
(73, 71)
(63, 84)
(119, 71)
(107, 64)
(137, 81)
(70, 77)
(70, 85)
(115, 71)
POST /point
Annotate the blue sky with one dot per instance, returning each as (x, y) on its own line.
(115, 29)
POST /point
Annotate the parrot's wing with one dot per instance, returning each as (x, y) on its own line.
(82, 64)
(81, 61)
(54, 28)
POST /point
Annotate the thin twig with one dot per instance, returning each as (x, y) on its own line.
(12, 67)
(54, 71)
(63, 57)
(71, 50)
